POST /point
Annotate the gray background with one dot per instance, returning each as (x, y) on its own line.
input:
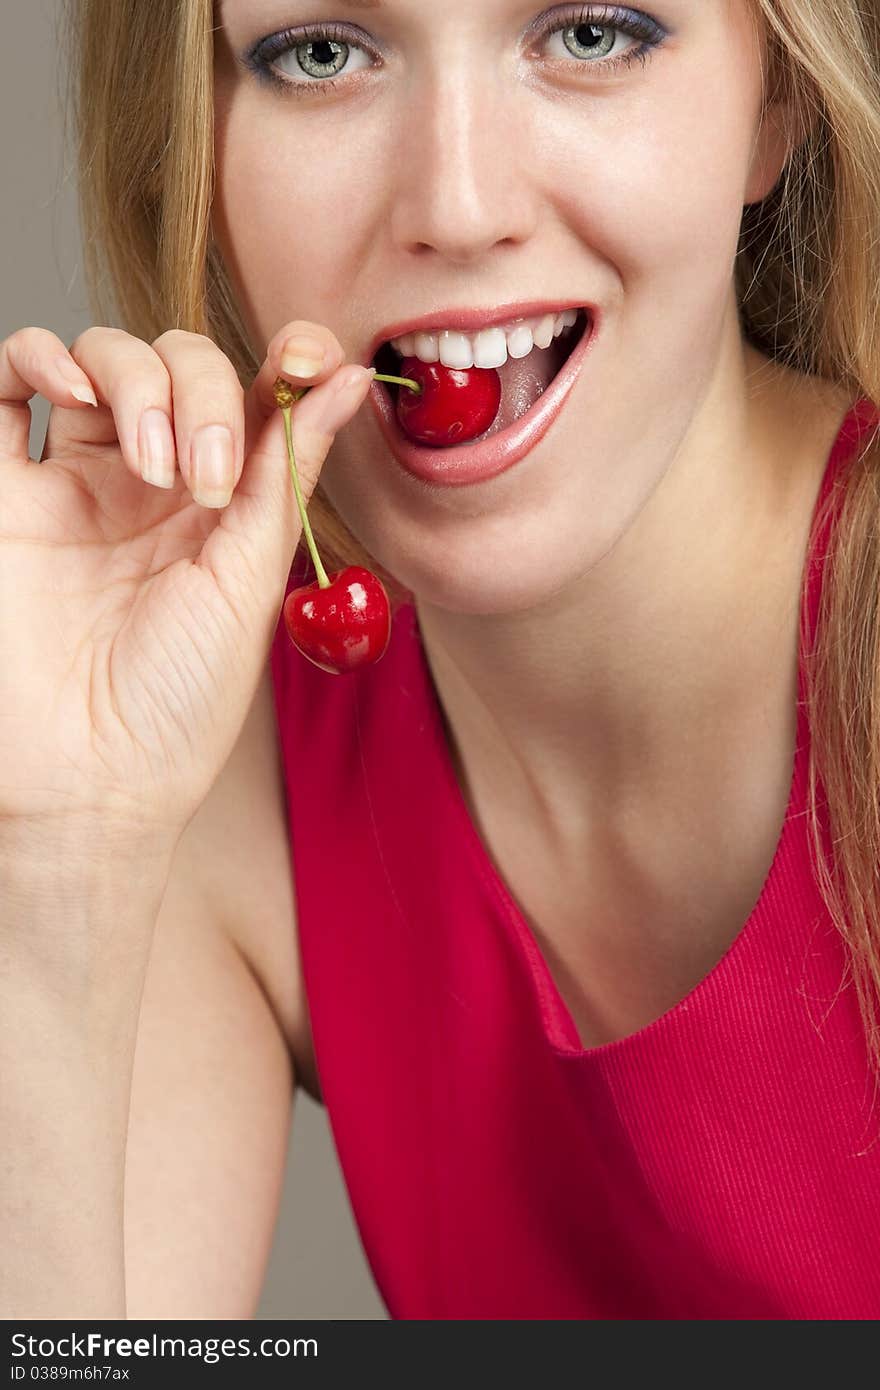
(317, 1269)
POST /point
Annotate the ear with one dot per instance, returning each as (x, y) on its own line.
(779, 135)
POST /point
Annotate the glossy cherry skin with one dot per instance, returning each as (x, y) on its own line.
(343, 627)
(455, 405)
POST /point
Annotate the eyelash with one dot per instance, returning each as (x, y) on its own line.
(260, 58)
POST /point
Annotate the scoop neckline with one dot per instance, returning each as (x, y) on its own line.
(557, 1023)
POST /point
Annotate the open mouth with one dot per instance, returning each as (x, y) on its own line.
(525, 355)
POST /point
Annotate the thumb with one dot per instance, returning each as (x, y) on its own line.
(250, 552)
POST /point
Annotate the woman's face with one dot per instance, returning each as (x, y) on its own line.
(466, 157)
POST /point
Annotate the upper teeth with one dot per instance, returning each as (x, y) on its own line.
(490, 347)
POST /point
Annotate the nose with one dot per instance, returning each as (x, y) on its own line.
(463, 183)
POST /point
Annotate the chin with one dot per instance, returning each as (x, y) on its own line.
(525, 539)
(493, 580)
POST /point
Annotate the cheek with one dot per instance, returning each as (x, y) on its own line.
(291, 211)
(656, 186)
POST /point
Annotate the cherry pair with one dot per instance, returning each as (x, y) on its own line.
(342, 621)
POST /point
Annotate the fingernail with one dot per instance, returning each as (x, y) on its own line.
(302, 357)
(213, 468)
(76, 380)
(156, 449)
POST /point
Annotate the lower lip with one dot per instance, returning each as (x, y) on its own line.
(477, 463)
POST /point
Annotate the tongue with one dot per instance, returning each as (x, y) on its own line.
(523, 380)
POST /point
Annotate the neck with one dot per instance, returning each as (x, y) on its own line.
(671, 646)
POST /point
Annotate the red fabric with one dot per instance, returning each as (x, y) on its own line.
(716, 1164)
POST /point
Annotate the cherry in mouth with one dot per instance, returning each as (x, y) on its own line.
(454, 405)
(458, 406)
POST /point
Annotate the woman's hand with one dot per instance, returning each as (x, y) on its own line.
(136, 620)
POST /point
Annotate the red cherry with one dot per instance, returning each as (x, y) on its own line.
(343, 626)
(453, 406)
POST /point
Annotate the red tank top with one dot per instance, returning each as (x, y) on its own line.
(718, 1163)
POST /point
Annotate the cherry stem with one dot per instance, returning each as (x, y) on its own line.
(415, 386)
(323, 581)
(287, 396)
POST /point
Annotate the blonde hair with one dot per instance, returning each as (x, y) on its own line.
(807, 272)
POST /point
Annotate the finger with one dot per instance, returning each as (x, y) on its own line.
(208, 415)
(288, 355)
(262, 525)
(35, 360)
(130, 381)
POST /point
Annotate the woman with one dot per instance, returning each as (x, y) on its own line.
(596, 1036)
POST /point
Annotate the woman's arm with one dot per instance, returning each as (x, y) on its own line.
(209, 1125)
(67, 1041)
(145, 1119)
(223, 1015)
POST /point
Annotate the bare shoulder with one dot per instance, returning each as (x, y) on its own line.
(238, 848)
